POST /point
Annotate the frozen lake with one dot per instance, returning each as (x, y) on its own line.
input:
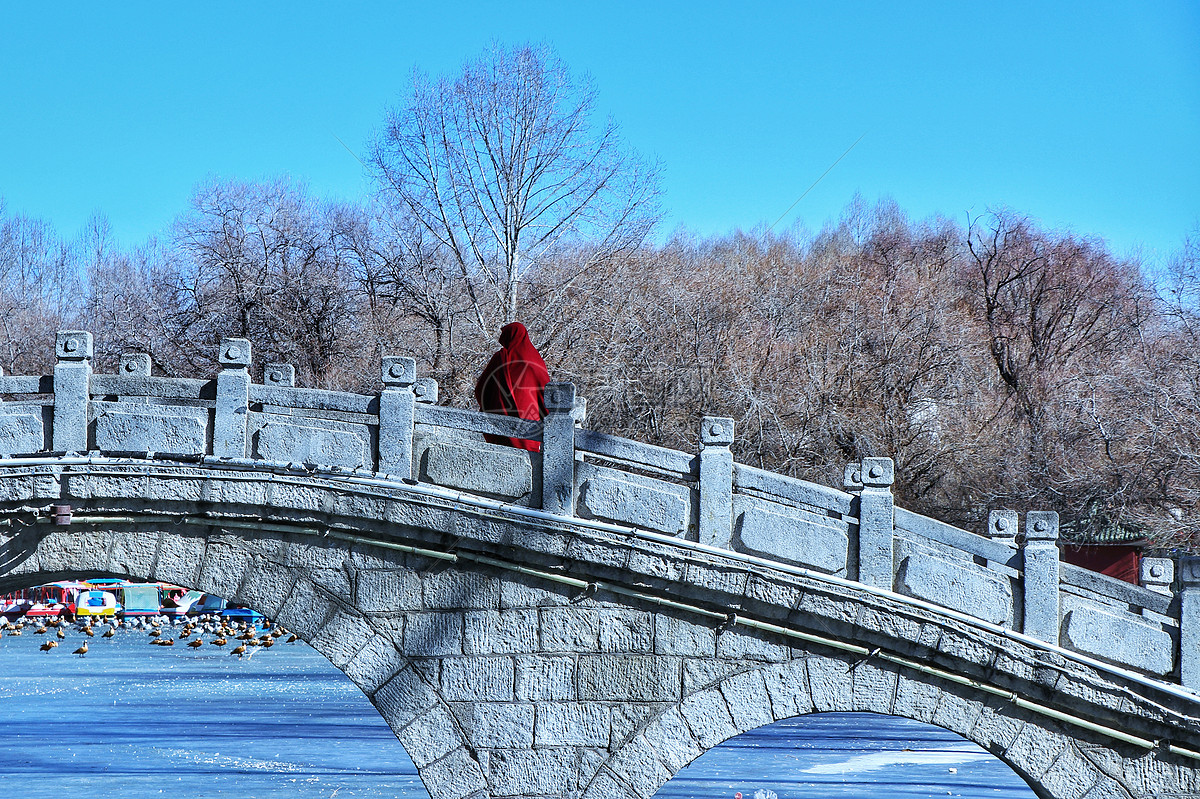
(140, 720)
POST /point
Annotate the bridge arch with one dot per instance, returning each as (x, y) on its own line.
(1056, 762)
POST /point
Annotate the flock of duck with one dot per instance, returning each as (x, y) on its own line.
(223, 632)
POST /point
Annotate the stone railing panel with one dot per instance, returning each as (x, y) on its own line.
(142, 427)
(152, 389)
(790, 534)
(478, 467)
(1118, 593)
(619, 452)
(910, 524)
(298, 400)
(1118, 636)
(801, 493)
(462, 420)
(949, 579)
(308, 439)
(616, 496)
(23, 427)
(16, 385)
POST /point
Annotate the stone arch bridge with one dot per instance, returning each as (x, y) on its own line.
(585, 621)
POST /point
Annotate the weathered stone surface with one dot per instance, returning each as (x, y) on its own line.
(223, 569)
(605, 786)
(629, 678)
(491, 725)
(23, 488)
(1071, 776)
(874, 687)
(622, 630)
(500, 632)
(374, 664)
(387, 590)
(478, 679)
(572, 724)
(703, 672)
(723, 579)
(456, 775)
(154, 428)
(341, 637)
(460, 590)
(21, 432)
(787, 687)
(430, 736)
(481, 469)
(670, 737)
(306, 609)
(791, 535)
(266, 586)
(433, 634)
(297, 443)
(640, 502)
(520, 592)
(179, 559)
(545, 678)
(133, 554)
(1034, 750)
(674, 635)
(957, 713)
(545, 772)
(915, 699)
(831, 684)
(1121, 639)
(739, 643)
(708, 718)
(748, 701)
(638, 767)
(404, 697)
(969, 590)
(570, 629)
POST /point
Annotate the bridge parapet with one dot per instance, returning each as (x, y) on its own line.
(703, 498)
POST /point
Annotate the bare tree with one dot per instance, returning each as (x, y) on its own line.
(504, 166)
(269, 263)
(39, 291)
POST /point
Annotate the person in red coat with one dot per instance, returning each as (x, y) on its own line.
(512, 383)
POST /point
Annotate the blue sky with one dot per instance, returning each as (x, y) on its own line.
(1085, 116)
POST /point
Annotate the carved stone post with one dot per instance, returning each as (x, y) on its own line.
(233, 399)
(852, 478)
(279, 375)
(876, 522)
(426, 391)
(1002, 526)
(396, 415)
(558, 450)
(134, 364)
(716, 481)
(72, 375)
(1157, 574)
(1041, 576)
(1189, 623)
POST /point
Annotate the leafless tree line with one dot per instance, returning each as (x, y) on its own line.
(999, 364)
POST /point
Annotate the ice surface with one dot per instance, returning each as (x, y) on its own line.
(139, 720)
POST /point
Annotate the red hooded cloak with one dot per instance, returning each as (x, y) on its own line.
(512, 383)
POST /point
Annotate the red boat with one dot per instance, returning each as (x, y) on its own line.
(40, 601)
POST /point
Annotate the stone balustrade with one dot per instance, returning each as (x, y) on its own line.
(1011, 581)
